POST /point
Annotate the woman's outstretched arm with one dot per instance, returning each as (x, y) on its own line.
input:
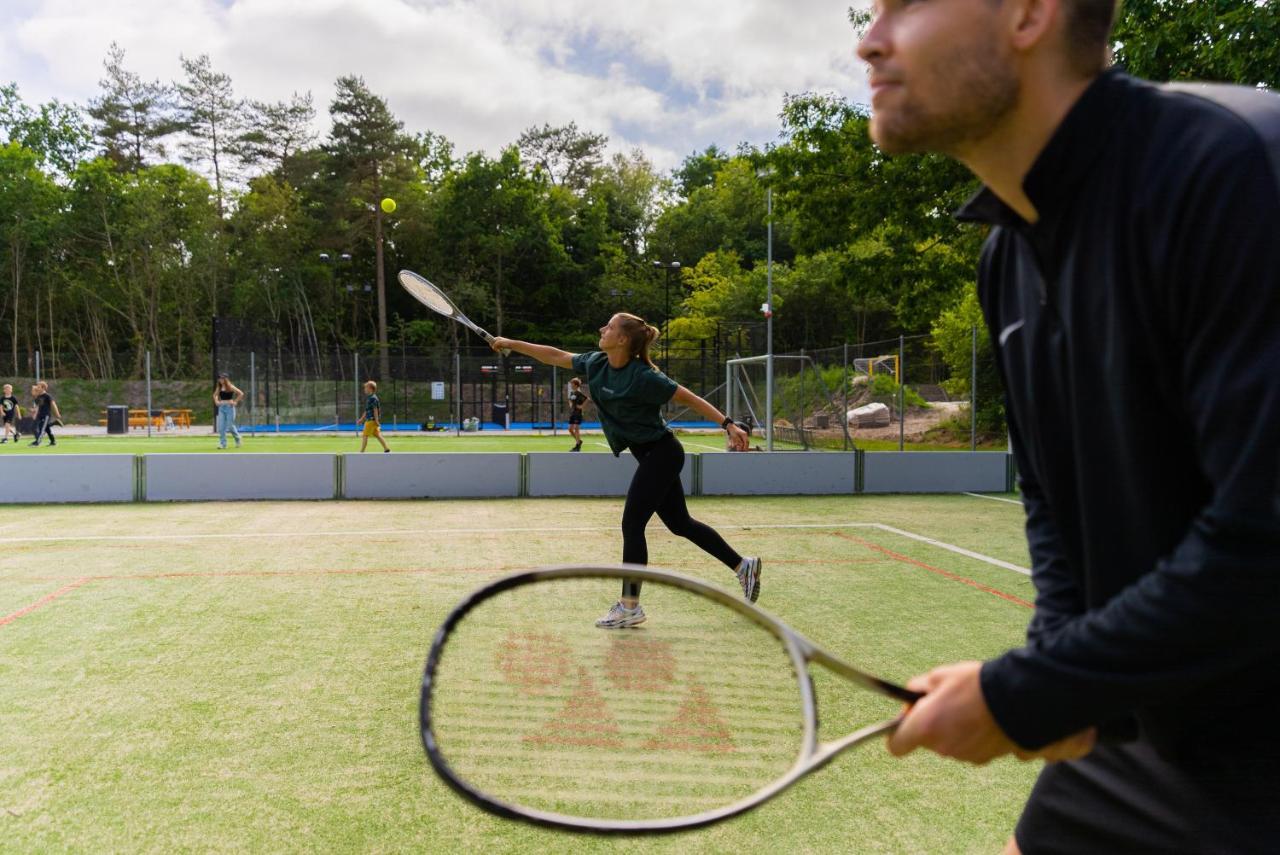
(541, 352)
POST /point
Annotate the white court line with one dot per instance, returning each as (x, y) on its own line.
(994, 498)
(956, 549)
(977, 556)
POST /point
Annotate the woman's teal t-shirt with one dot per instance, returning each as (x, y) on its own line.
(628, 399)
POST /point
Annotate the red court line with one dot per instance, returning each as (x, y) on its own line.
(964, 580)
(45, 600)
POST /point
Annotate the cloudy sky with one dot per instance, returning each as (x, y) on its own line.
(669, 76)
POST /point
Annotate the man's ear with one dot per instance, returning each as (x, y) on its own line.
(1032, 22)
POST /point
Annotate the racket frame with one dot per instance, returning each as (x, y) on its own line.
(456, 313)
(803, 652)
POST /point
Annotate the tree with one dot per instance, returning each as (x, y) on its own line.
(497, 242)
(727, 214)
(30, 201)
(370, 153)
(134, 117)
(953, 338)
(272, 263)
(569, 156)
(210, 115)
(888, 218)
(56, 132)
(273, 132)
(1233, 41)
(699, 170)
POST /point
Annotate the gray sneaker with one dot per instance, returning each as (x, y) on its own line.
(620, 617)
(749, 578)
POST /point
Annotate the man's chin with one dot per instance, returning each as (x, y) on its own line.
(893, 140)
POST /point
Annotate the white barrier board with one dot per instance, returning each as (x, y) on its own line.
(436, 475)
(779, 473)
(934, 472)
(67, 478)
(564, 473)
(231, 475)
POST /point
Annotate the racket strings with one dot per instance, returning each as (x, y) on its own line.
(427, 294)
(700, 710)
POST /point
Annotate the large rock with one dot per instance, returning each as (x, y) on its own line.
(871, 415)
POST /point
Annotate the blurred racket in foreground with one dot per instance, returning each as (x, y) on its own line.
(437, 301)
(531, 712)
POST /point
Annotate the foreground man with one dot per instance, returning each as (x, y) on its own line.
(1131, 284)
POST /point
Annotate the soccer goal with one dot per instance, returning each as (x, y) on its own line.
(788, 399)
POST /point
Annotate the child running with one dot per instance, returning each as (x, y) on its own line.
(372, 418)
(629, 392)
(10, 411)
(46, 412)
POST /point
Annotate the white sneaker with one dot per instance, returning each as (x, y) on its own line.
(620, 617)
(749, 578)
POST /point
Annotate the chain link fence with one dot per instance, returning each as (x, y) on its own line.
(895, 390)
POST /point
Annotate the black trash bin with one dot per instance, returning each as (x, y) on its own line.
(117, 419)
(500, 415)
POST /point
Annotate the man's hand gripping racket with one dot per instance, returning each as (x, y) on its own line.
(532, 713)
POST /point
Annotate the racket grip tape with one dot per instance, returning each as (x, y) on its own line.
(505, 351)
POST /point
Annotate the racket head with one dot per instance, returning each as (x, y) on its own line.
(426, 293)
(429, 294)
(683, 726)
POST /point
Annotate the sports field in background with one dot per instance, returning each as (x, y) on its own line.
(198, 441)
(244, 676)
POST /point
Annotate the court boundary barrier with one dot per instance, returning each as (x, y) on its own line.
(95, 478)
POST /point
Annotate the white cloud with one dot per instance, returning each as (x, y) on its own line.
(669, 76)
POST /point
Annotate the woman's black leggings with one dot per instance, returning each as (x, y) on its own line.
(656, 488)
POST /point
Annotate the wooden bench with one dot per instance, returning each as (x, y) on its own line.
(156, 417)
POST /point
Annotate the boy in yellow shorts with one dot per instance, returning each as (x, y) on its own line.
(372, 418)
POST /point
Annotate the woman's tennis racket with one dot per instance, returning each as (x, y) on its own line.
(437, 301)
(707, 710)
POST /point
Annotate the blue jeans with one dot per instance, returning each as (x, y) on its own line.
(227, 422)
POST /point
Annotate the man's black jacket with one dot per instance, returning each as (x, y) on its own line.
(1137, 326)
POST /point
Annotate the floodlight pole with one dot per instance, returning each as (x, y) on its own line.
(666, 334)
(768, 323)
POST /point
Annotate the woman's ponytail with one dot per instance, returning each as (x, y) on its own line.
(640, 334)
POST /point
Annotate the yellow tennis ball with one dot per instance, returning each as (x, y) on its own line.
(389, 205)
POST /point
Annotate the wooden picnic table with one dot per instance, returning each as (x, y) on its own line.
(158, 419)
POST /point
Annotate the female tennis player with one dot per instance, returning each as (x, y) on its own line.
(629, 391)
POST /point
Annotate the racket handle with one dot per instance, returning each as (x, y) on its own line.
(505, 351)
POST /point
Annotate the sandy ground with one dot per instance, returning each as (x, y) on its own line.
(918, 422)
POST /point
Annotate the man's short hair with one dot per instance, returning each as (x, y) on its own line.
(1088, 33)
(371, 386)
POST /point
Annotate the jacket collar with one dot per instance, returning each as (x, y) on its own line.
(1062, 166)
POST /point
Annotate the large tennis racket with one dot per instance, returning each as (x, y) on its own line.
(437, 301)
(705, 711)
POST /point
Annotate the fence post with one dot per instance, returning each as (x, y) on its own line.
(457, 392)
(253, 392)
(148, 394)
(555, 399)
(902, 393)
(973, 392)
(844, 396)
(37, 366)
(355, 375)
